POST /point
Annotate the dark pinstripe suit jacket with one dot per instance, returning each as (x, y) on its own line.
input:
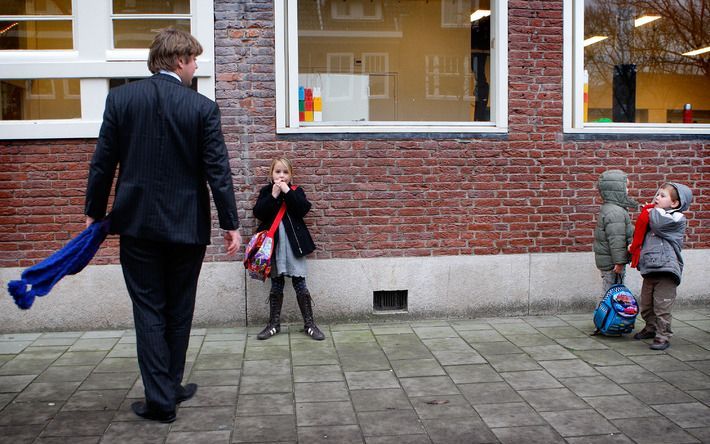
(167, 141)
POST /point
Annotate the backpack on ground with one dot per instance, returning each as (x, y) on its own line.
(616, 313)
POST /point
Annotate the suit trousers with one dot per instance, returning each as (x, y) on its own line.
(162, 281)
(658, 294)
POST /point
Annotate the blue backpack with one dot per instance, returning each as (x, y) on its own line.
(616, 313)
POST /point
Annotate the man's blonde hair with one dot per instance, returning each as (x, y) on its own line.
(168, 46)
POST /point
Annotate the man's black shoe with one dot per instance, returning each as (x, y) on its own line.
(186, 392)
(141, 409)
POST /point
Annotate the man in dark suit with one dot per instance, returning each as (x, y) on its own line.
(166, 140)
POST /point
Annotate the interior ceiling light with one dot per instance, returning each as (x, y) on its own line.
(594, 39)
(479, 14)
(645, 19)
(697, 51)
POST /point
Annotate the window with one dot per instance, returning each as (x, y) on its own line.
(391, 66)
(60, 57)
(637, 66)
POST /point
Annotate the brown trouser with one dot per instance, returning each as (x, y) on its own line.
(657, 297)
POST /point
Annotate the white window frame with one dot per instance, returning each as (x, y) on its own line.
(573, 87)
(94, 61)
(286, 74)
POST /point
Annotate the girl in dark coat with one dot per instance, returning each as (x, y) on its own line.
(292, 242)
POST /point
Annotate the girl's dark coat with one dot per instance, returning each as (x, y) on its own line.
(296, 207)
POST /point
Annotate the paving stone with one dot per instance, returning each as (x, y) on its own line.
(325, 413)
(469, 324)
(411, 351)
(513, 362)
(318, 373)
(210, 437)
(455, 344)
(687, 380)
(342, 434)
(467, 374)
(47, 391)
(701, 395)
(21, 365)
(688, 352)
(548, 352)
(409, 439)
(435, 332)
(579, 422)
(22, 413)
(528, 340)
(622, 374)
(391, 329)
(353, 336)
(382, 379)
(71, 439)
(138, 432)
(219, 362)
(603, 357)
(660, 363)
(703, 366)
(123, 351)
(121, 365)
(496, 348)
(15, 384)
(268, 404)
(13, 347)
(213, 396)
(394, 422)
(586, 343)
(215, 377)
(192, 419)
(686, 415)
(542, 434)
(568, 368)
(21, 434)
(236, 336)
(533, 379)
(81, 358)
(107, 381)
(95, 400)
(657, 393)
(458, 430)
(592, 386)
(265, 429)
(94, 344)
(562, 332)
(448, 406)
(428, 386)
(78, 424)
(264, 353)
(508, 414)
(377, 400)
(544, 321)
(701, 433)
(481, 336)
(553, 400)
(454, 357)
(653, 430)
(314, 357)
(321, 391)
(63, 373)
(417, 367)
(620, 406)
(49, 341)
(5, 399)
(266, 384)
(513, 329)
(222, 347)
(489, 393)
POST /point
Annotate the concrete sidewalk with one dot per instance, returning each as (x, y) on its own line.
(509, 380)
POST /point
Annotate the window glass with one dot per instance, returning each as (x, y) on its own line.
(36, 99)
(35, 7)
(151, 7)
(647, 61)
(37, 35)
(393, 60)
(139, 33)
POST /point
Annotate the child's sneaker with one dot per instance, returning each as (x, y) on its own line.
(643, 334)
(659, 344)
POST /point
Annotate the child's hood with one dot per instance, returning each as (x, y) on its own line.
(684, 195)
(612, 187)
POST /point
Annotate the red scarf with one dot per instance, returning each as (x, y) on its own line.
(639, 234)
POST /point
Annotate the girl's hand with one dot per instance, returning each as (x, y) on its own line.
(283, 186)
(275, 190)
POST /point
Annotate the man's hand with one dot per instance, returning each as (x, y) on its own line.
(232, 240)
(89, 221)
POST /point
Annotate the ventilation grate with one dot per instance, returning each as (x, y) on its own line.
(395, 300)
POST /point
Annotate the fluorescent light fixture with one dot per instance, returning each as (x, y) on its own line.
(697, 51)
(645, 19)
(595, 39)
(479, 14)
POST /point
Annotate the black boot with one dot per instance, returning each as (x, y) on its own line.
(274, 325)
(309, 326)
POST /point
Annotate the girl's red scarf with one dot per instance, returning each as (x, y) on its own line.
(639, 234)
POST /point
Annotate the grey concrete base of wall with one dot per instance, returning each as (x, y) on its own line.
(342, 290)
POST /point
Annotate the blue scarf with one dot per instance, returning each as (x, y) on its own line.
(71, 259)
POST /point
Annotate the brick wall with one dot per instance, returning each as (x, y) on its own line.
(528, 192)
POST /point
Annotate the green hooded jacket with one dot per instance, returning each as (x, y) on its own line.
(614, 231)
